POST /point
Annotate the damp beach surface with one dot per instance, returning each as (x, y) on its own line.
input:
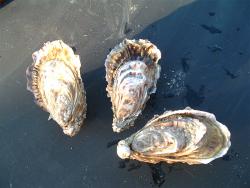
(205, 48)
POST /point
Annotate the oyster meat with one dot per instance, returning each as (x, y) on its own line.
(55, 80)
(132, 72)
(187, 136)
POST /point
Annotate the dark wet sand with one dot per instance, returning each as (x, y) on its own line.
(205, 64)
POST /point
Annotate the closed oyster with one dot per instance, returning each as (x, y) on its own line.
(187, 136)
(132, 72)
(55, 80)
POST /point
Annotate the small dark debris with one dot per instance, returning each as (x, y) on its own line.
(240, 53)
(230, 74)
(112, 143)
(211, 13)
(127, 29)
(73, 48)
(239, 176)
(110, 49)
(195, 98)
(215, 48)
(211, 29)
(185, 65)
(134, 166)
(237, 29)
(158, 174)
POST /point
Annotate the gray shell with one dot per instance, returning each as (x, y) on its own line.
(132, 72)
(55, 80)
(187, 136)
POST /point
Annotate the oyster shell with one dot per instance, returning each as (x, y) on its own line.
(187, 136)
(55, 80)
(132, 72)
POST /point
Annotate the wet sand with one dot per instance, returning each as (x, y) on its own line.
(205, 65)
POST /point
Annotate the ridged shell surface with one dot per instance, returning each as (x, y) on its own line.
(132, 72)
(55, 80)
(187, 136)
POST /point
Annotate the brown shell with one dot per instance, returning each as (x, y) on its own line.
(187, 136)
(55, 80)
(132, 72)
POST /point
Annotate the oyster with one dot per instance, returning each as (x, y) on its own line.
(55, 80)
(187, 136)
(132, 72)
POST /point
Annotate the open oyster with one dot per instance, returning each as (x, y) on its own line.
(187, 136)
(132, 72)
(54, 79)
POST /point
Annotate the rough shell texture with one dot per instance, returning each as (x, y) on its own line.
(54, 79)
(187, 136)
(132, 72)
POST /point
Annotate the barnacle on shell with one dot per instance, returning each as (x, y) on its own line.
(55, 81)
(132, 72)
(187, 136)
